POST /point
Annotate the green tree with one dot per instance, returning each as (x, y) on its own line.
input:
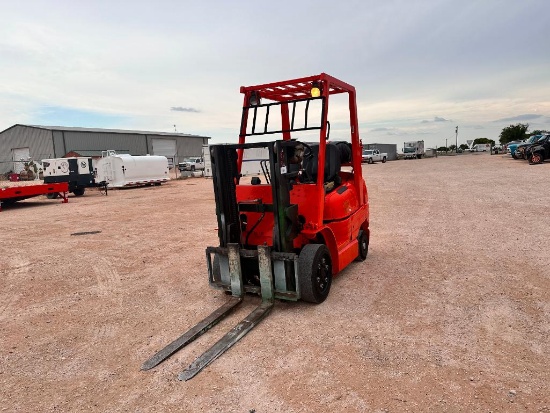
(442, 149)
(483, 140)
(463, 146)
(539, 132)
(513, 133)
(452, 148)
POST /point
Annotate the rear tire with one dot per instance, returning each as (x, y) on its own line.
(315, 273)
(52, 195)
(363, 241)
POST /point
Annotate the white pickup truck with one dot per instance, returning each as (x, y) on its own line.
(374, 155)
(193, 163)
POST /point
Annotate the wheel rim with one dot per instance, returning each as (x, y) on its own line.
(323, 274)
(536, 158)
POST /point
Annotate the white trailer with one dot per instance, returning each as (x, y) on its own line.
(413, 149)
(482, 147)
(120, 170)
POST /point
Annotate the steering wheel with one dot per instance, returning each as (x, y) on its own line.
(308, 152)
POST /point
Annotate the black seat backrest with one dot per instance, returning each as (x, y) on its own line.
(332, 163)
(345, 151)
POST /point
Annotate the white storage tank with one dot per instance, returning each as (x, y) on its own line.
(119, 170)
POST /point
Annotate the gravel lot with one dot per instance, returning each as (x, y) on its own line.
(449, 313)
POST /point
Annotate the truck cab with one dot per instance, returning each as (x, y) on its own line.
(193, 163)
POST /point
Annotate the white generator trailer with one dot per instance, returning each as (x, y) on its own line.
(77, 172)
(121, 170)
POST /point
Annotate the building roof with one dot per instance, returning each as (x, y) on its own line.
(100, 130)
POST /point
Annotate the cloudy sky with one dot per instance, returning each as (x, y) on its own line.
(420, 67)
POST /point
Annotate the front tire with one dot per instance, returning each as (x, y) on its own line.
(370, 160)
(315, 273)
(192, 168)
(384, 159)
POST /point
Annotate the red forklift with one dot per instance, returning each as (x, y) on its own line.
(286, 233)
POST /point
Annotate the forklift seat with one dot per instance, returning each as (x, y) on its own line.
(332, 164)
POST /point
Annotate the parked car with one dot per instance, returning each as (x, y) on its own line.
(520, 149)
(373, 155)
(512, 146)
(539, 151)
(193, 163)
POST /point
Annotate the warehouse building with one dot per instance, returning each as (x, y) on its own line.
(22, 142)
(389, 148)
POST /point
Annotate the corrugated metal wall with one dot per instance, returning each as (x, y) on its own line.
(76, 141)
(39, 142)
(185, 146)
(190, 147)
(389, 148)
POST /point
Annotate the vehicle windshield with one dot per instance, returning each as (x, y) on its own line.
(188, 159)
(367, 152)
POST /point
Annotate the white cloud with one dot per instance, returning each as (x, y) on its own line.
(431, 60)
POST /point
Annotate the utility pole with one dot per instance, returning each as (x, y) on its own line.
(446, 147)
(456, 139)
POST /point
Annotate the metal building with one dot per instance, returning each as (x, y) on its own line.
(21, 142)
(389, 148)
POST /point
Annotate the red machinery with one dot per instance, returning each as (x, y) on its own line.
(285, 237)
(17, 193)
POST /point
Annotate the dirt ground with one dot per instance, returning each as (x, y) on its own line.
(449, 313)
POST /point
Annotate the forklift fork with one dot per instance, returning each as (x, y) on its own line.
(239, 331)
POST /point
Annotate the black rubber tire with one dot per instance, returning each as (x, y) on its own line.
(363, 240)
(514, 155)
(315, 273)
(384, 159)
(52, 195)
(79, 191)
(370, 160)
(192, 168)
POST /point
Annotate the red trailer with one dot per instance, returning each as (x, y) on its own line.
(17, 193)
